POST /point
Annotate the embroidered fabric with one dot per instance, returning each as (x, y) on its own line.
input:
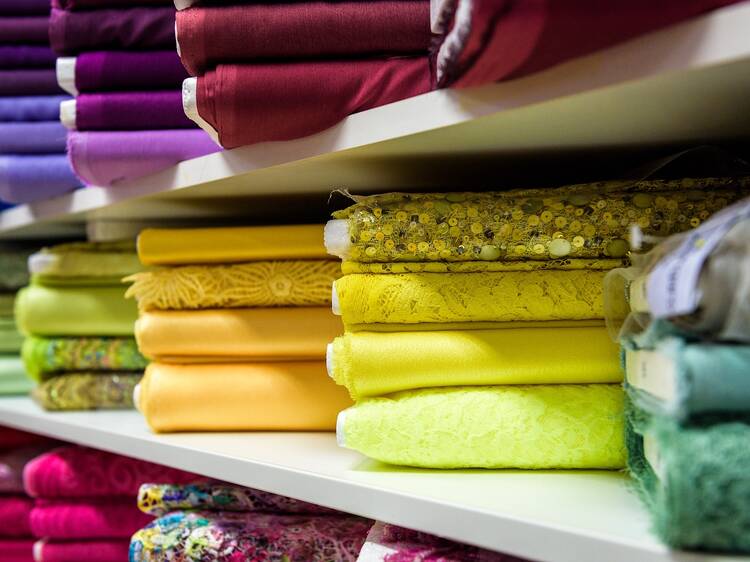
(87, 391)
(350, 267)
(256, 284)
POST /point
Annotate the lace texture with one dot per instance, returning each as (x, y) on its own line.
(579, 221)
(350, 267)
(269, 283)
(87, 391)
(541, 426)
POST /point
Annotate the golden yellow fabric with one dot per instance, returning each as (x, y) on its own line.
(606, 264)
(238, 334)
(264, 283)
(294, 396)
(376, 363)
(230, 245)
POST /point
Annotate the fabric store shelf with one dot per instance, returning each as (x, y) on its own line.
(567, 516)
(679, 86)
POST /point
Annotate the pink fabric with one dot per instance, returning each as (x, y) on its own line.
(14, 516)
(80, 472)
(17, 550)
(110, 519)
(12, 463)
(82, 551)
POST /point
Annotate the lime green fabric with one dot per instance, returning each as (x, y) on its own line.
(13, 379)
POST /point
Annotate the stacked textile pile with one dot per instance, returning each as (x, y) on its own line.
(119, 61)
(237, 327)
(32, 140)
(474, 321)
(686, 354)
(220, 522)
(79, 342)
(85, 503)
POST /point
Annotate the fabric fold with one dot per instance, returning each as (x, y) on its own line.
(86, 520)
(43, 137)
(89, 260)
(24, 30)
(130, 111)
(121, 71)
(29, 178)
(24, 109)
(75, 551)
(15, 512)
(87, 391)
(29, 82)
(26, 56)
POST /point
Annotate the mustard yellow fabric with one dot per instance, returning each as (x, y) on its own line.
(375, 363)
(294, 396)
(230, 245)
(239, 334)
(606, 264)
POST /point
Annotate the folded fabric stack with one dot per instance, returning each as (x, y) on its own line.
(474, 322)
(79, 342)
(119, 61)
(236, 327)
(32, 141)
(279, 71)
(85, 503)
(686, 354)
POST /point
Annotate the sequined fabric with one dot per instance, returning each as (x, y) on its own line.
(86, 391)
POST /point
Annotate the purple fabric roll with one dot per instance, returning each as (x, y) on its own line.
(24, 179)
(103, 158)
(29, 83)
(28, 30)
(131, 111)
(132, 29)
(45, 137)
(123, 71)
(26, 56)
(24, 7)
(31, 108)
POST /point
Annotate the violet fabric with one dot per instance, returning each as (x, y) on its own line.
(79, 519)
(28, 178)
(30, 108)
(252, 32)
(17, 550)
(77, 551)
(71, 33)
(28, 30)
(36, 82)
(14, 516)
(131, 111)
(247, 104)
(103, 158)
(24, 7)
(113, 71)
(26, 56)
(41, 137)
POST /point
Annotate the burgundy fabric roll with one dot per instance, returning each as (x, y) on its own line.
(24, 7)
(131, 111)
(99, 4)
(130, 29)
(29, 30)
(14, 516)
(112, 71)
(251, 32)
(247, 104)
(26, 56)
(11, 438)
(18, 550)
(498, 40)
(78, 519)
(39, 82)
(76, 551)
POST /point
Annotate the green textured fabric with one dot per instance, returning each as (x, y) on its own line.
(10, 338)
(86, 259)
(13, 379)
(75, 311)
(87, 391)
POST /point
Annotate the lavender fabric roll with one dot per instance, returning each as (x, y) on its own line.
(26, 56)
(31, 108)
(24, 179)
(24, 7)
(29, 30)
(103, 158)
(127, 71)
(131, 29)
(43, 137)
(131, 111)
(29, 82)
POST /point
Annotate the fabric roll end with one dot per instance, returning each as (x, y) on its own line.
(340, 428)
(335, 303)
(336, 238)
(190, 106)
(329, 360)
(43, 262)
(38, 550)
(183, 4)
(65, 68)
(68, 114)
(137, 398)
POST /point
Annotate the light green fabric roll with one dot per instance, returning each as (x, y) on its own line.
(13, 379)
(6, 304)
(75, 311)
(11, 339)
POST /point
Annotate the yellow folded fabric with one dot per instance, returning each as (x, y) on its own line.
(606, 264)
(230, 245)
(375, 363)
(295, 396)
(470, 297)
(237, 334)
(264, 283)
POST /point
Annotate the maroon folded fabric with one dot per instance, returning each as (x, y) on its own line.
(131, 111)
(112, 71)
(77, 551)
(252, 32)
(96, 30)
(20, 550)
(38, 82)
(494, 40)
(26, 56)
(14, 516)
(11, 438)
(29, 30)
(24, 7)
(99, 4)
(79, 519)
(247, 104)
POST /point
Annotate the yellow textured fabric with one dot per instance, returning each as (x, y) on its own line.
(295, 396)
(245, 334)
(375, 363)
(471, 297)
(543, 426)
(350, 267)
(230, 245)
(265, 283)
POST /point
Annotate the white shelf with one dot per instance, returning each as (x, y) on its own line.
(682, 85)
(551, 516)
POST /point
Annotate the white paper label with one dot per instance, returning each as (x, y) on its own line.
(652, 372)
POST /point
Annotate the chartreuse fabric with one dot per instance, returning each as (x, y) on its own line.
(13, 379)
(375, 363)
(111, 260)
(10, 338)
(540, 426)
(87, 391)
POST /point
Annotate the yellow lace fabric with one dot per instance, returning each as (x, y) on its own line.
(348, 267)
(578, 221)
(256, 284)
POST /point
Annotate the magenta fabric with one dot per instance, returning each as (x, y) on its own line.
(131, 111)
(104, 158)
(12, 463)
(80, 472)
(24, 7)
(82, 551)
(14, 516)
(19, 550)
(11, 438)
(37, 82)
(27, 30)
(71, 33)
(113, 71)
(99, 4)
(247, 104)
(26, 56)
(80, 519)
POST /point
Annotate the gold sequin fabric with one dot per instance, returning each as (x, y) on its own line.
(578, 221)
(87, 391)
